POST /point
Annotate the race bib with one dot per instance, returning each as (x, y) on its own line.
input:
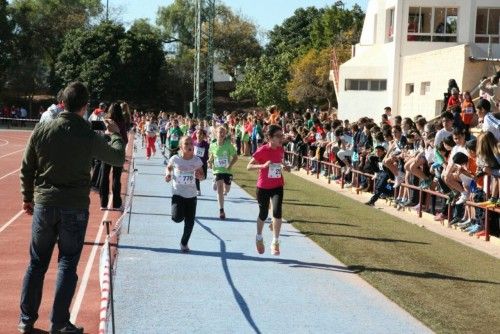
(222, 162)
(174, 137)
(469, 110)
(185, 178)
(199, 151)
(274, 171)
(380, 166)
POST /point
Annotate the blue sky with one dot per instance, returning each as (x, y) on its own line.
(265, 13)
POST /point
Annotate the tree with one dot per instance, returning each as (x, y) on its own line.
(92, 55)
(294, 34)
(337, 26)
(265, 80)
(309, 82)
(235, 41)
(177, 22)
(43, 25)
(142, 58)
(6, 27)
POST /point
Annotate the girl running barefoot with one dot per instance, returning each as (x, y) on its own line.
(184, 169)
(268, 160)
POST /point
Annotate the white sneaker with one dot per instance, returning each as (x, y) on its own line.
(198, 193)
(462, 199)
(348, 185)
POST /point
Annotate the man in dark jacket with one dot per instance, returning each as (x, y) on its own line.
(55, 185)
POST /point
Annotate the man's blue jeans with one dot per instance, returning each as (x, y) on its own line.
(67, 228)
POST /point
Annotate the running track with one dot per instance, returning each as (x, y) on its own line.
(15, 232)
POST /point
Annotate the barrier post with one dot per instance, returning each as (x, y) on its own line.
(329, 172)
(131, 200)
(420, 197)
(110, 263)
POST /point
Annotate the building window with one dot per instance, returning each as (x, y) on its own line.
(425, 88)
(361, 84)
(488, 25)
(410, 88)
(389, 26)
(427, 24)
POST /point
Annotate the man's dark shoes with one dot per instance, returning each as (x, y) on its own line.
(370, 203)
(68, 328)
(25, 327)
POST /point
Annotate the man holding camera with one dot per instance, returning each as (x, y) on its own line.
(55, 185)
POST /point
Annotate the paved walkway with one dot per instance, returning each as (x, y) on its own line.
(223, 285)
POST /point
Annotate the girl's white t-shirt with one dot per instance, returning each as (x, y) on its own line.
(183, 175)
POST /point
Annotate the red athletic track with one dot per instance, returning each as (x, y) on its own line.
(14, 244)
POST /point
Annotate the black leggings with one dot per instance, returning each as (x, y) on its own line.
(116, 185)
(184, 209)
(263, 197)
(163, 137)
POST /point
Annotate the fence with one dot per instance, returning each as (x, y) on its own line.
(109, 252)
(328, 167)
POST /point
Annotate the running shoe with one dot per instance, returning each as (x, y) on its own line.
(369, 203)
(477, 228)
(465, 227)
(472, 227)
(275, 248)
(68, 328)
(222, 215)
(454, 221)
(481, 233)
(198, 193)
(184, 249)
(259, 244)
(464, 223)
(25, 327)
(348, 185)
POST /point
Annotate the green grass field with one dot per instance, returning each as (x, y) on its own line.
(449, 287)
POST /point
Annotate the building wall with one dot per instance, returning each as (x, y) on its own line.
(436, 67)
(411, 62)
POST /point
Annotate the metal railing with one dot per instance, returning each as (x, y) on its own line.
(329, 166)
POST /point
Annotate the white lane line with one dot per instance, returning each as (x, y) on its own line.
(6, 155)
(88, 268)
(3, 177)
(11, 221)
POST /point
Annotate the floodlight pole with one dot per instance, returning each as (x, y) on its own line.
(207, 7)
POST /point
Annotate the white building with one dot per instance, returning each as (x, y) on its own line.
(408, 51)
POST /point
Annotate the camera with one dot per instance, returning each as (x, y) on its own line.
(98, 126)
